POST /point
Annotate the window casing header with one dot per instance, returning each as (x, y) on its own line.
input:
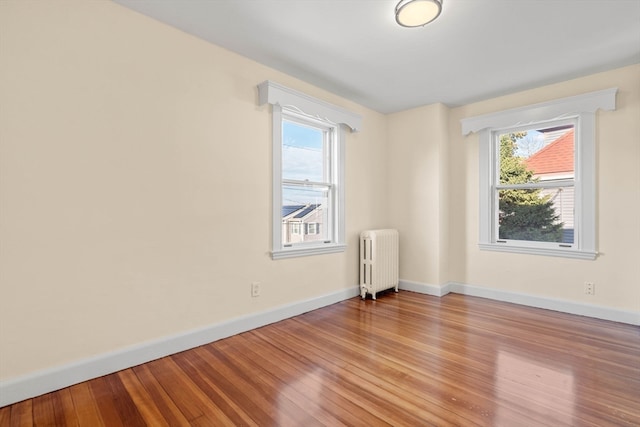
(552, 110)
(287, 98)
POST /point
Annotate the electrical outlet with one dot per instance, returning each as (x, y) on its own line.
(255, 289)
(589, 288)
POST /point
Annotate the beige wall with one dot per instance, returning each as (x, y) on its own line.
(433, 195)
(417, 191)
(135, 185)
(133, 155)
(616, 272)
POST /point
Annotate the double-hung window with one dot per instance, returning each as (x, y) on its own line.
(309, 179)
(537, 176)
(308, 172)
(533, 184)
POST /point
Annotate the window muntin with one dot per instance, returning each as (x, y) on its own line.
(533, 192)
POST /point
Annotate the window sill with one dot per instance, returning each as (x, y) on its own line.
(563, 253)
(307, 251)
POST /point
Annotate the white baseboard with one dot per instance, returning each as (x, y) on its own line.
(45, 381)
(48, 380)
(556, 304)
(424, 288)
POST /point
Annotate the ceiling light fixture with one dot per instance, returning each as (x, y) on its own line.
(417, 13)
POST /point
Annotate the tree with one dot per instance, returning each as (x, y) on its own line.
(531, 143)
(524, 214)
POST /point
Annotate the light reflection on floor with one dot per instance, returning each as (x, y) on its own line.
(534, 386)
(311, 386)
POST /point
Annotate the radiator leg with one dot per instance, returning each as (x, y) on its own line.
(373, 295)
(396, 288)
(363, 293)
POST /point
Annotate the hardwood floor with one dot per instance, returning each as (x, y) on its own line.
(404, 360)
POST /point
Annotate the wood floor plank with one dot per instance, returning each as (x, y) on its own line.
(22, 414)
(168, 408)
(436, 383)
(525, 405)
(270, 378)
(85, 405)
(277, 407)
(371, 367)
(5, 416)
(114, 403)
(355, 387)
(404, 360)
(66, 408)
(222, 388)
(147, 407)
(307, 381)
(52, 410)
(47, 410)
(44, 413)
(192, 401)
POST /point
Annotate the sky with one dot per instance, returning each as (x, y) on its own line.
(530, 144)
(302, 160)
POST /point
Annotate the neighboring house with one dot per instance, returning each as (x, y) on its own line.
(555, 162)
(302, 223)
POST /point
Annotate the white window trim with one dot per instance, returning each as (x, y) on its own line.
(283, 98)
(583, 107)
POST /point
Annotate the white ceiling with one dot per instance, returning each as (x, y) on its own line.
(475, 50)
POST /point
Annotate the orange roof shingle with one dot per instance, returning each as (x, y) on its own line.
(556, 157)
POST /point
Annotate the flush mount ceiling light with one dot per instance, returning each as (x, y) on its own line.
(417, 13)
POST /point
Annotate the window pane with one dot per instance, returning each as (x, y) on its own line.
(304, 214)
(541, 215)
(537, 155)
(302, 152)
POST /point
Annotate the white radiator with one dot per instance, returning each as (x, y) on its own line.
(378, 261)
